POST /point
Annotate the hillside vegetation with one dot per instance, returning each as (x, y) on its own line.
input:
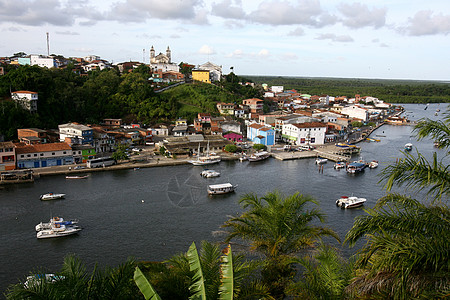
(392, 91)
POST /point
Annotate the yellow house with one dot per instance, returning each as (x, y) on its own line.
(201, 75)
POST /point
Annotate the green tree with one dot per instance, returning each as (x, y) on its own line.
(230, 148)
(258, 147)
(278, 227)
(121, 152)
(407, 249)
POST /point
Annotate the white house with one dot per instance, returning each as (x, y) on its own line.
(304, 133)
(26, 99)
(277, 89)
(355, 111)
(42, 61)
(81, 134)
(215, 71)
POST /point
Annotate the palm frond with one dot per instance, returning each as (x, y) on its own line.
(198, 282)
(226, 288)
(144, 285)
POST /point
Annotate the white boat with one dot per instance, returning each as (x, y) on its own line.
(205, 160)
(76, 177)
(339, 165)
(373, 164)
(58, 230)
(350, 202)
(54, 220)
(218, 189)
(51, 196)
(320, 161)
(356, 167)
(209, 173)
(408, 146)
(258, 156)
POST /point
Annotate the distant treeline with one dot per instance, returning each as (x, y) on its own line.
(394, 91)
(65, 96)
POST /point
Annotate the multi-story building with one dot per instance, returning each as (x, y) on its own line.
(43, 155)
(201, 75)
(225, 108)
(305, 133)
(7, 156)
(357, 112)
(77, 133)
(260, 134)
(256, 105)
(43, 61)
(215, 71)
(32, 135)
(26, 99)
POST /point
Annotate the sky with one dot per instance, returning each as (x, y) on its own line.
(385, 39)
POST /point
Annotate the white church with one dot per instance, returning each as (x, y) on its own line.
(162, 61)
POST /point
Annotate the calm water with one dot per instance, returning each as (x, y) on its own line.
(152, 214)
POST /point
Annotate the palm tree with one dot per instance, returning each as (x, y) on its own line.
(407, 249)
(278, 227)
(325, 275)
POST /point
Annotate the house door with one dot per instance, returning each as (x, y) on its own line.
(58, 162)
(36, 164)
(44, 163)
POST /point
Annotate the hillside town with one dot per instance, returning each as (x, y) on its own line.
(281, 117)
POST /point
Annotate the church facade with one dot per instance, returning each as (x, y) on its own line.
(162, 61)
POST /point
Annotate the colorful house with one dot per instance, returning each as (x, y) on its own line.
(7, 156)
(43, 155)
(234, 137)
(260, 134)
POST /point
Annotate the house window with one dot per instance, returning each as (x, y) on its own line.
(22, 156)
(42, 154)
(64, 152)
(53, 153)
(28, 155)
(35, 154)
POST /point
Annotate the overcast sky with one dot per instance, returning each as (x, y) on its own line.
(398, 39)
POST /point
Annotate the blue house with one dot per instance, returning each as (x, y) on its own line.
(260, 134)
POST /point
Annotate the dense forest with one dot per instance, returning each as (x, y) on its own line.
(391, 91)
(65, 96)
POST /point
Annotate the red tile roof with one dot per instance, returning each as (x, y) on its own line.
(310, 125)
(25, 92)
(21, 148)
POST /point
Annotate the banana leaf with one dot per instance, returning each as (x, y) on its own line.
(226, 275)
(197, 287)
(144, 286)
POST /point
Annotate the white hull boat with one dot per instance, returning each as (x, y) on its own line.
(258, 156)
(76, 177)
(53, 221)
(52, 196)
(408, 147)
(321, 161)
(219, 189)
(205, 160)
(373, 164)
(339, 165)
(58, 230)
(209, 173)
(350, 202)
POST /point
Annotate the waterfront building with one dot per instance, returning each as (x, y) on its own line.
(232, 126)
(82, 153)
(357, 112)
(32, 136)
(26, 99)
(79, 134)
(260, 134)
(43, 155)
(312, 133)
(234, 137)
(7, 156)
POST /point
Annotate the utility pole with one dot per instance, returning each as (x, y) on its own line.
(48, 45)
(143, 55)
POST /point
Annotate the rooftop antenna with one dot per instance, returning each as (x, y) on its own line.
(48, 45)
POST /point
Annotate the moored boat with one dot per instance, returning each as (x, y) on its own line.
(218, 189)
(54, 220)
(373, 164)
(58, 230)
(51, 196)
(356, 167)
(320, 161)
(408, 146)
(350, 202)
(339, 165)
(209, 173)
(258, 156)
(205, 160)
(76, 177)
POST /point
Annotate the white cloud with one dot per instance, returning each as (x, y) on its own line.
(139, 11)
(306, 12)
(297, 32)
(205, 49)
(358, 15)
(85, 50)
(335, 38)
(264, 53)
(289, 56)
(425, 23)
(67, 32)
(226, 9)
(238, 53)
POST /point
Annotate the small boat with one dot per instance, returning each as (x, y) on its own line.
(259, 156)
(350, 202)
(209, 173)
(205, 160)
(356, 167)
(37, 279)
(408, 146)
(372, 139)
(136, 169)
(77, 177)
(339, 165)
(321, 161)
(58, 230)
(218, 189)
(242, 158)
(51, 196)
(54, 220)
(373, 164)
